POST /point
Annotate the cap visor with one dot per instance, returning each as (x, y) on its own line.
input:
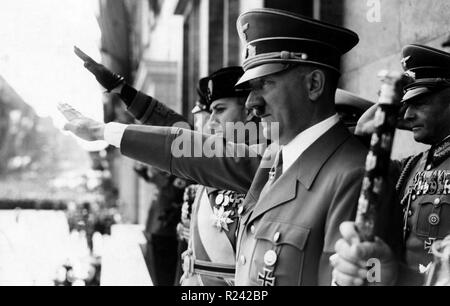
(258, 72)
(197, 109)
(344, 97)
(415, 93)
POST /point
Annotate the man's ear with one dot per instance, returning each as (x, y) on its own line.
(316, 84)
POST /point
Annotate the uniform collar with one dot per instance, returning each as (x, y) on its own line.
(304, 170)
(439, 152)
(295, 148)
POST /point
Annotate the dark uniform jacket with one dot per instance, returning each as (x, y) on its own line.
(288, 229)
(426, 207)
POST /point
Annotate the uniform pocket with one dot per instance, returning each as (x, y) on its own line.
(433, 219)
(279, 253)
(422, 227)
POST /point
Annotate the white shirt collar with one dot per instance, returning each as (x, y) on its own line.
(298, 145)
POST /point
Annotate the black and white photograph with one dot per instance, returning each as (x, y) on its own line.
(226, 144)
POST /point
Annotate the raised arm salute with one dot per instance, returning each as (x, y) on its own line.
(144, 108)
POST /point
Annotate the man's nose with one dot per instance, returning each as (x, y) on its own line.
(213, 120)
(409, 113)
(255, 103)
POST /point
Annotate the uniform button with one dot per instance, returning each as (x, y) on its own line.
(243, 260)
(253, 229)
(414, 197)
(410, 213)
(276, 237)
(434, 219)
(437, 201)
(240, 210)
(428, 168)
(270, 258)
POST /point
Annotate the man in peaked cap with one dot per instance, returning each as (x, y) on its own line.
(292, 68)
(276, 40)
(424, 183)
(297, 196)
(350, 107)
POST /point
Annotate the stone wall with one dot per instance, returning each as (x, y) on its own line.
(401, 23)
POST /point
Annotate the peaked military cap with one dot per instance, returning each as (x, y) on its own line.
(221, 84)
(428, 67)
(350, 107)
(202, 92)
(274, 39)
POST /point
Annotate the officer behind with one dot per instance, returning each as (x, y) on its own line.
(424, 183)
(350, 107)
(291, 214)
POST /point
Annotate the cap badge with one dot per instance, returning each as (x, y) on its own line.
(410, 74)
(286, 55)
(210, 89)
(244, 29)
(404, 60)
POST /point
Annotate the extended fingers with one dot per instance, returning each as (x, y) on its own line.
(70, 127)
(82, 55)
(69, 112)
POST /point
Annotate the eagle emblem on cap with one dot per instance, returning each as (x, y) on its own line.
(244, 29)
(404, 60)
(210, 89)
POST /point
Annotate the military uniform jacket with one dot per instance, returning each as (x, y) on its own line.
(426, 209)
(288, 230)
(150, 111)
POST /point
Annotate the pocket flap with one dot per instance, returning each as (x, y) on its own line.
(283, 233)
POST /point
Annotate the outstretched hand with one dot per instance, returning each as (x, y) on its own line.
(366, 123)
(104, 76)
(83, 127)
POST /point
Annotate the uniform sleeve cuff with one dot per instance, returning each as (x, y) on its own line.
(114, 132)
